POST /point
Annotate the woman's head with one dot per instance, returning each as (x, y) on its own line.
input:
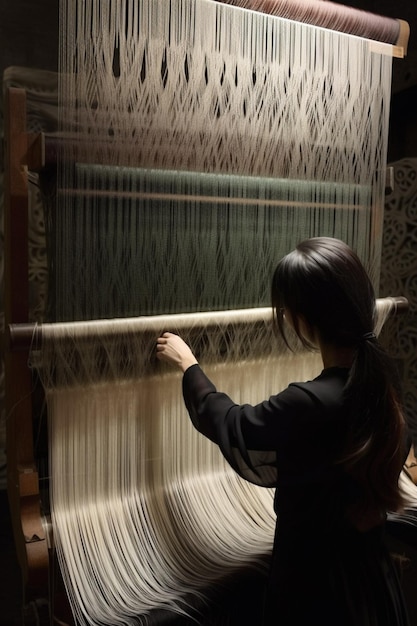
(322, 285)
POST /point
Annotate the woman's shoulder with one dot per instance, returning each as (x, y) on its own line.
(326, 390)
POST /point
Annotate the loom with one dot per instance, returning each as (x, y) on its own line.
(198, 142)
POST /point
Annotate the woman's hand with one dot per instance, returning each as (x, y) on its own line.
(172, 349)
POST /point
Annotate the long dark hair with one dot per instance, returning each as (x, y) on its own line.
(324, 284)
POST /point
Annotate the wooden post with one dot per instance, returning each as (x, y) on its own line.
(22, 475)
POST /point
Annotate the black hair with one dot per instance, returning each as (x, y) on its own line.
(324, 284)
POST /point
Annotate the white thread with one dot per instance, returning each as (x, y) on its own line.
(206, 89)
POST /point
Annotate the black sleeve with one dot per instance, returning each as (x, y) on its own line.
(249, 436)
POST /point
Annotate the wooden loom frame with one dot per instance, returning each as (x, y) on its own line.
(24, 151)
(23, 478)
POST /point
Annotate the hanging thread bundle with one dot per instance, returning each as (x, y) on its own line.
(203, 142)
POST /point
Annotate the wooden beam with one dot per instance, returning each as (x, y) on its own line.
(22, 475)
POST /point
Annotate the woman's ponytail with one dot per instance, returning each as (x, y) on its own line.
(375, 448)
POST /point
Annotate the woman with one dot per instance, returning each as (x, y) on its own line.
(332, 447)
